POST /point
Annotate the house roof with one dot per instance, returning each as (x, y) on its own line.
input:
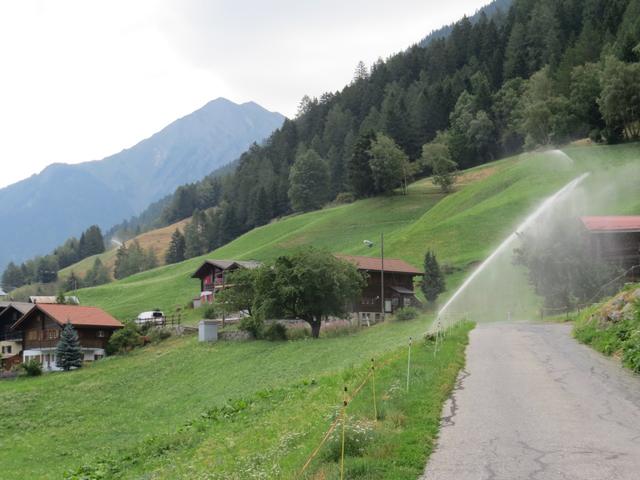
(22, 307)
(373, 264)
(53, 299)
(226, 265)
(620, 223)
(79, 316)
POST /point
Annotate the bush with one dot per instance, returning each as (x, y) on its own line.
(125, 339)
(211, 312)
(407, 313)
(32, 368)
(275, 332)
(156, 335)
(252, 325)
(298, 332)
(345, 197)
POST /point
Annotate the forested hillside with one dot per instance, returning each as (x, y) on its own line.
(544, 73)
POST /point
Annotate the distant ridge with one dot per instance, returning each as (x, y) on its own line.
(45, 209)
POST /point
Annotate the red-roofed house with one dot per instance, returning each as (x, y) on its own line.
(41, 327)
(615, 239)
(398, 286)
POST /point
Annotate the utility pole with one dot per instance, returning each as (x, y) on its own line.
(382, 274)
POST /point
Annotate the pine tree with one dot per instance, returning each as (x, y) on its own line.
(176, 250)
(433, 280)
(360, 175)
(68, 349)
(309, 179)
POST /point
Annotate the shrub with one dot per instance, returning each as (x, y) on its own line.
(211, 312)
(125, 339)
(253, 325)
(157, 335)
(32, 368)
(407, 313)
(275, 331)
(298, 332)
(345, 197)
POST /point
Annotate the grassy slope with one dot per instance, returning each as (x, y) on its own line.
(158, 240)
(64, 419)
(462, 227)
(621, 338)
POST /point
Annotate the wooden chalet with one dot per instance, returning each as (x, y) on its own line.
(213, 276)
(11, 340)
(615, 239)
(41, 327)
(398, 286)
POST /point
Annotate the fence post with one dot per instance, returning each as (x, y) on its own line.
(373, 386)
(344, 421)
(409, 363)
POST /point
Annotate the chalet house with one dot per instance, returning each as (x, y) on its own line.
(213, 276)
(41, 327)
(615, 239)
(10, 340)
(398, 286)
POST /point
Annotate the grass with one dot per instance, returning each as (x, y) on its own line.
(68, 419)
(221, 442)
(619, 338)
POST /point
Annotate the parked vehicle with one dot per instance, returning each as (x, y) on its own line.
(154, 317)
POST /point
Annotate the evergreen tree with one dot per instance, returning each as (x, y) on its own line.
(176, 251)
(98, 274)
(13, 277)
(68, 351)
(309, 179)
(433, 283)
(194, 236)
(360, 175)
(91, 242)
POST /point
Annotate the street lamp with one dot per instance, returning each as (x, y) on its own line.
(370, 244)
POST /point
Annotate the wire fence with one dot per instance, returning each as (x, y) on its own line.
(350, 395)
(348, 398)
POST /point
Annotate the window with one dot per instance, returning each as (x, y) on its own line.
(32, 335)
(51, 334)
(6, 349)
(101, 334)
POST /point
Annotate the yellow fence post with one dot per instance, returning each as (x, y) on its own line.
(373, 387)
(344, 421)
(409, 363)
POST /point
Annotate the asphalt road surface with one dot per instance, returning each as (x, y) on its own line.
(534, 404)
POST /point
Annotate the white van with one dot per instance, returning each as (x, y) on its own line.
(155, 317)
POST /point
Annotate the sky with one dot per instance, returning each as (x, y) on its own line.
(84, 79)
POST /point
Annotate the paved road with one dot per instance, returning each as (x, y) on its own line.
(534, 404)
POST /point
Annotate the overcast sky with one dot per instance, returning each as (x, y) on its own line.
(83, 79)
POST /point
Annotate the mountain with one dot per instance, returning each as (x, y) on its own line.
(42, 211)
